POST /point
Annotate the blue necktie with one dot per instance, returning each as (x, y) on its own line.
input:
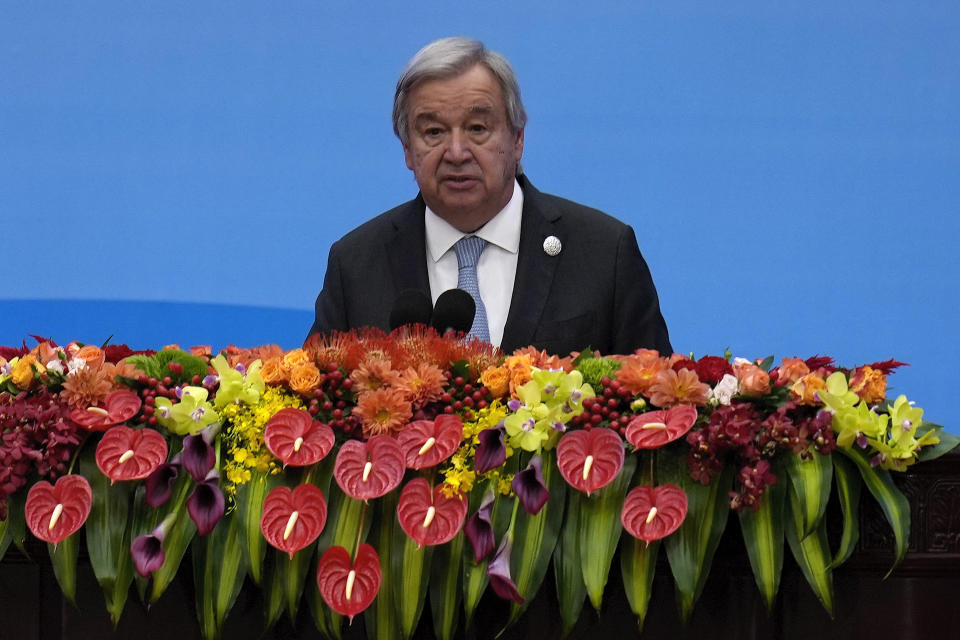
(468, 250)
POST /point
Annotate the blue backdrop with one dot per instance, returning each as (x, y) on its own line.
(176, 173)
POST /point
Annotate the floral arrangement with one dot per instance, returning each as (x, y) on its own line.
(366, 471)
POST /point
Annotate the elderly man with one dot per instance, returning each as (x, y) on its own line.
(542, 270)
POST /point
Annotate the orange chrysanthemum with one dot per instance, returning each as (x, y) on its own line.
(870, 384)
(384, 411)
(88, 387)
(373, 374)
(805, 389)
(638, 371)
(671, 388)
(422, 384)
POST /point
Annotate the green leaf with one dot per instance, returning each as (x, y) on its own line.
(638, 564)
(16, 522)
(249, 501)
(219, 567)
(5, 534)
(571, 592)
(411, 569)
(535, 538)
(895, 505)
(763, 536)
(948, 442)
(475, 577)
(812, 552)
(848, 491)
(690, 549)
(445, 586)
(157, 365)
(108, 533)
(63, 557)
(600, 529)
(380, 618)
(810, 480)
(273, 588)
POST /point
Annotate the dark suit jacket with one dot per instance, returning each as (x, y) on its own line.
(597, 292)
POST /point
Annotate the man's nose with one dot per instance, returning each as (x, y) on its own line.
(458, 149)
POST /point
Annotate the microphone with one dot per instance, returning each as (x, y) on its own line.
(454, 311)
(412, 306)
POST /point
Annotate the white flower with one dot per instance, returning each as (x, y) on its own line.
(740, 361)
(76, 364)
(725, 389)
(55, 365)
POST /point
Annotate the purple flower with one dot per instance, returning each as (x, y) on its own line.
(529, 487)
(198, 456)
(479, 528)
(499, 572)
(492, 451)
(160, 483)
(147, 551)
(206, 504)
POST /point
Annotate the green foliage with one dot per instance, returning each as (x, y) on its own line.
(158, 365)
(596, 369)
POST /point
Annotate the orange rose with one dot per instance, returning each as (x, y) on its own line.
(293, 359)
(91, 354)
(753, 380)
(870, 384)
(201, 350)
(805, 389)
(22, 373)
(272, 371)
(305, 378)
(519, 367)
(496, 380)
(791, 370)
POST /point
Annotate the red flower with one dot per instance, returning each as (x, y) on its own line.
(130, 454)
(590, 460)
(291, 520)
(369, 469)
(430, 517)
(349, 588)
(653, 429)
(427, 443)
(55, 512)
(296, 438)
(120, 406)
(651, 513)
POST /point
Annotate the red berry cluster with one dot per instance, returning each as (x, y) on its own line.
(461, 396)
(37, 435)
(610, 408)
(330, 401)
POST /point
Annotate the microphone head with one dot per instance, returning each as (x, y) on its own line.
(454, 311)
(412, 306)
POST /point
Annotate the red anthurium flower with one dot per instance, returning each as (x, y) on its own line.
(651, 513)
(291, 520)
(296, 438)
(120, 406)
(590, 460)
(55, 512)
(654, 429)
(428, 516)
(427, 443)
(349, 589)
(130, 454)
(369, 469)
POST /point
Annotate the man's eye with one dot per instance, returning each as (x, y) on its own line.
(433, 131)
(478, 128)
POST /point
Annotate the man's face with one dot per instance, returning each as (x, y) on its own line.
(461, 147)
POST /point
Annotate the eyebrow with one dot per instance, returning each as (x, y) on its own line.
(433, 116)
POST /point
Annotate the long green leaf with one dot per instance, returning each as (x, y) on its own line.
(445, 586)
(690, 549)
(763, 536)
(638, 564)
(600, 530)
(411, 566)
(6, 535)
(249, 501)
(535, 538)
(273, 587)
(219, 567)
(17, 522)
(108, 534)
(895, 505)
(63, 557)
(848, 491)
(810, 480)
(571, 592)
(380, 618)
(812, 552)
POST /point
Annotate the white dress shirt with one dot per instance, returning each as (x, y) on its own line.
(497, 267)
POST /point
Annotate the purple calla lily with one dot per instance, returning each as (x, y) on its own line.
(530, 488)
(206, 504)
(198, 456)
(479, 528)
(160, 483)
(499, 572)
(492, 451)
(147, 551)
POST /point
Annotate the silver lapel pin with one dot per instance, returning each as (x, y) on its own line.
(552, 246)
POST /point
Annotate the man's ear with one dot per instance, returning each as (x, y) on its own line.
(408, 156)
(518, 147)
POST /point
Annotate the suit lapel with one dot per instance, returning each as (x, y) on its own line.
(406, 250)
(535, 269)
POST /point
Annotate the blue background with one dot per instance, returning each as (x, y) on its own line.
(176, 172)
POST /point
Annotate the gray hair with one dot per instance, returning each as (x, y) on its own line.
(449, 57)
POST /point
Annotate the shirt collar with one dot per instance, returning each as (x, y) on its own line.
(502, 230)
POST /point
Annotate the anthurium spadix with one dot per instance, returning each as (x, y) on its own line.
(429, 516)
(370, 469)
(427, 443)
(119, 406)
(349, 588)
(651, 513)
(296, 438)
(292, 519)
(54, 512)
(130, 454)
(590, 460)
(653, 429)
